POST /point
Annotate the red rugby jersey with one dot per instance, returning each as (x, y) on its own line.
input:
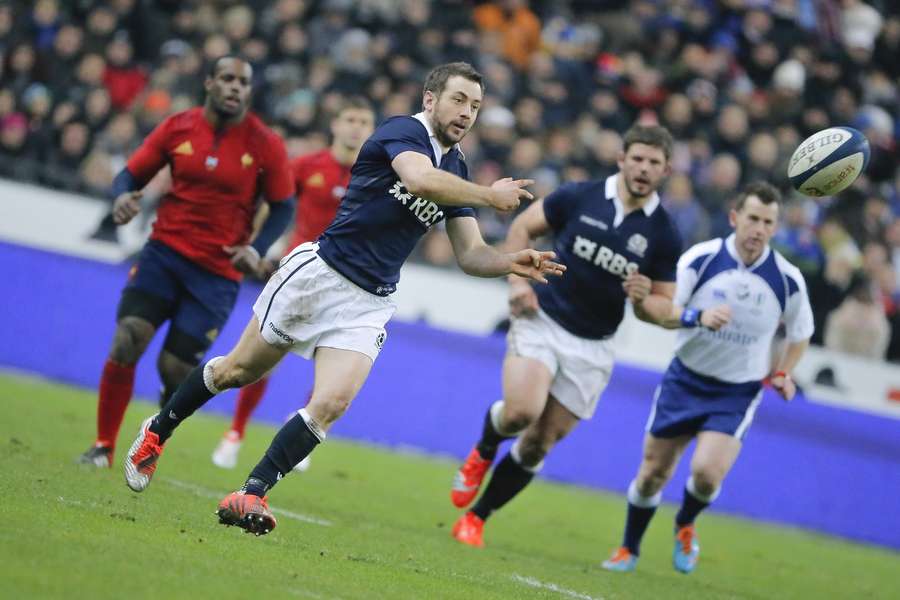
(216, 180)
(321, 182)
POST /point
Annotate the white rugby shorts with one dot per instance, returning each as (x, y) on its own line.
(581, 367)
(307, 304)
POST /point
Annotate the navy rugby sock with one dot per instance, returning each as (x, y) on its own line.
(635, 525)
(691, 506)
(190, 395)
(640, 512)
(508, 479)
(293, 442)
(490, 437)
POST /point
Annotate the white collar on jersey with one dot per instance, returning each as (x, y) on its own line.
(612, 193)
(732, 250)
(435, 145)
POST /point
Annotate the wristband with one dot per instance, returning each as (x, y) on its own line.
(690, 317)
(780, 374)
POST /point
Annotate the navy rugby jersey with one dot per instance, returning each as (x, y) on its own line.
(600, 246)
(379, 221)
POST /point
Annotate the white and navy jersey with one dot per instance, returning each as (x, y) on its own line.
(600, 246)
(760, 296)
(379, 221)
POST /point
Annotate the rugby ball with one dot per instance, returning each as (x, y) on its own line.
(827, 162)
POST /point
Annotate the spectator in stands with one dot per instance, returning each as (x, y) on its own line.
(690, 218)
(740, 85)
(517, 26)
(858, 326)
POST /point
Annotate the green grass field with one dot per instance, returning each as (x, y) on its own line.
(362, 523)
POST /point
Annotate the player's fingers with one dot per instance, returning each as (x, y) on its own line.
(525, 194)
(523, 182)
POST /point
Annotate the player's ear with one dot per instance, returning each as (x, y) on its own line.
(620, 160)
(732, 217)
(428, 100)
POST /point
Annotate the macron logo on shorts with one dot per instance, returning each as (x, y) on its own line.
(280, 333)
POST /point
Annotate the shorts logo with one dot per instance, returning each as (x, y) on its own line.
(280, 333)
(211, 163)
(212, 334)
(379, 341)
(637, 244)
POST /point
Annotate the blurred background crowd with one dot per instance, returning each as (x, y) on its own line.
(738, 82)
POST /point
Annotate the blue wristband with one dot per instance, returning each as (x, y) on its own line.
(690, 317)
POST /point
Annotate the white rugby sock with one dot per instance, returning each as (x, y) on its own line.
(707, 498)
(635, 498)
(516, 456)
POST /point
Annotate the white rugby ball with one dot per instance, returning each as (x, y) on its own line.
(827, 162)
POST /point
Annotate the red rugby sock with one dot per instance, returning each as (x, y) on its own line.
(248, 399)
(116, 386)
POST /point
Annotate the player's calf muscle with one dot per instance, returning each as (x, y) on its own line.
(232, 373)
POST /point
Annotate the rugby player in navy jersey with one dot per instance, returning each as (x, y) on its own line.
(712, 387)
(330, 300)
(615, 238)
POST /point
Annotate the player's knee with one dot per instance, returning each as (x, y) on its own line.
(517, 418)
(130, 340)
(327, 406)
(529, 451)
(172, 371)
(707, 479)
(652, 478)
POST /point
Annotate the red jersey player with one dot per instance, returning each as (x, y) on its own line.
(321, 178)
(222, 157)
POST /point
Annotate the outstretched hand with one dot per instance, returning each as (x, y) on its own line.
(534, 265)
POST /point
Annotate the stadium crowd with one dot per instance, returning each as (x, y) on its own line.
(738, 82)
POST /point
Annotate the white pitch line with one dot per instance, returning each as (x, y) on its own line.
(535, 583)
(208, 493)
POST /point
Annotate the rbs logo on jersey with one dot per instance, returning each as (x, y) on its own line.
(602, 256)
(426, 211)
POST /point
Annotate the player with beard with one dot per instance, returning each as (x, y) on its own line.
(321, 179)
(222, 158)
(615, 238)
(330, 300)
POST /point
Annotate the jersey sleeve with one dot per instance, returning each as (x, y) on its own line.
(665, 256)
(401, 135)
(558, 205)
(688, 269)
(152, 155)
(798, 316)
(278, 177)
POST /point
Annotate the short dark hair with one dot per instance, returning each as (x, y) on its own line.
(437, 78)
(651, 135)
(354, 103)
(214, 64)
(766, 192)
